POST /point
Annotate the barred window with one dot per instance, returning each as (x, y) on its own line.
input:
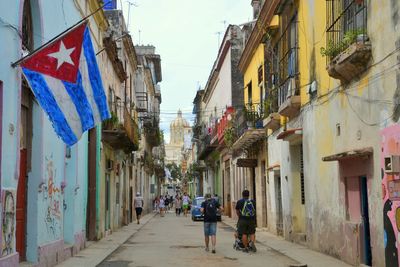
(344, 17)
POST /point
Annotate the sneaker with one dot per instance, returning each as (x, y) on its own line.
(253, 247)
(213, 251)
(207, 249)
(246, 250)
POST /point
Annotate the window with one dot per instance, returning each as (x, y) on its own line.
(287, 49)
(249, 93)
(344, 17)
(260, 75)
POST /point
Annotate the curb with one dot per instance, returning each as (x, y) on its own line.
(97, 258)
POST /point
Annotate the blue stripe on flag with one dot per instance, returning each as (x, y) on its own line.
(47, 101)
(78, 97)
(95, 77)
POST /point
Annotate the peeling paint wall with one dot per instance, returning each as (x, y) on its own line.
(391, 196)
(342, 118)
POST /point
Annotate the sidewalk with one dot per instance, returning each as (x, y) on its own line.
(295, 251)
(96, 252)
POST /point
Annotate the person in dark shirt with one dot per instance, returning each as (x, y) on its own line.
(209, 208)
(246, 211)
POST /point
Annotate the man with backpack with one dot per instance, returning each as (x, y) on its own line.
(209, 208)
(246, 211)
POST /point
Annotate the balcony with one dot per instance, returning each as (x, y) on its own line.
(272, 119)
(348, 49)
(205, 146)
(249, 125)
(124, 135)
(289, 98)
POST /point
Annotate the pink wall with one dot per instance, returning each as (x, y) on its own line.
(391, 196)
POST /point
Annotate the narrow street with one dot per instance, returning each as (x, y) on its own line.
(177, 241)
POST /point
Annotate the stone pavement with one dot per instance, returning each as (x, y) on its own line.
(299, 253)
(96, 252)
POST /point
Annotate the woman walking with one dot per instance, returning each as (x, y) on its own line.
(162, 206)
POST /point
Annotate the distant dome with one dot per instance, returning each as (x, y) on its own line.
(179, 121)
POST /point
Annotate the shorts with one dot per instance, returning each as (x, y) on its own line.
(246, 227)
(138, 211)
(210, 228)
(185, 206)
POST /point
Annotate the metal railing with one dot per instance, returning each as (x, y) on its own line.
(288, 67)
(344, 18)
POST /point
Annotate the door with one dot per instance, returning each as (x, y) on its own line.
(131, 204)
(279, 214)
(21, 206)
(25, 152)
(366, 237)
(227, 190)
(107, 202)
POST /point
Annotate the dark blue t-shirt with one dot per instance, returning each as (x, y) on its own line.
(213, 207)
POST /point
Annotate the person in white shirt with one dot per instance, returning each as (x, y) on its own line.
(138, 203)
(162, 206)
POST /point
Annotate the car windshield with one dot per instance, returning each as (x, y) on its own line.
(198, 201)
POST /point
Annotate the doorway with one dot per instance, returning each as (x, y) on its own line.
(107, 203)
(278, 198)
(227, 189)
(25, 139)
(366, 235)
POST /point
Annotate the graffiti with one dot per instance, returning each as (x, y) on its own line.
(391, 254)
(51, 195)
(8, 222)
(391, 197)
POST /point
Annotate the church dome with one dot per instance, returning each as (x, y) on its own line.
(180, 121)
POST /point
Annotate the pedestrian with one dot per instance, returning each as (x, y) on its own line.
(162, 206)
(185, 203)
(138, 203)
(171, 201)
(156, 204)
(166, 202)
(210, 208)
(178, 205)
(246, 211)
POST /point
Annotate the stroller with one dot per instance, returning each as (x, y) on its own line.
(238, 244)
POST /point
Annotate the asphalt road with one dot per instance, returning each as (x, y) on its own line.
(177, 241)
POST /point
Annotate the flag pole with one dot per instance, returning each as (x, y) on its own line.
(16, 63)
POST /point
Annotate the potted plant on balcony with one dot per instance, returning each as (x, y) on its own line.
(112, 122)
(349, 57)
(230, 136)
(250, 117)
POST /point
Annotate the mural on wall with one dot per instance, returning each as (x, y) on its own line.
(51, 196)
(8, 222)
(391, 195)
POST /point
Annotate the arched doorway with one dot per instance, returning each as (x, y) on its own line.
(25, 136)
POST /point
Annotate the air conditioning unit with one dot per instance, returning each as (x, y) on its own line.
(392, 164)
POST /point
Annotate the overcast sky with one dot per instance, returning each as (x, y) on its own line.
(184, 33)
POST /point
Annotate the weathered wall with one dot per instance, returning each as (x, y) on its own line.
(360, 109)
(251, 75)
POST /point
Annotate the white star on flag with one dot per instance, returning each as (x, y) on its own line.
(63, 55)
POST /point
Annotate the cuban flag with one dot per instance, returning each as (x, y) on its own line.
(66, 82)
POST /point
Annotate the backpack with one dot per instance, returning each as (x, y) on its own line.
(248, 209)
(211, 209)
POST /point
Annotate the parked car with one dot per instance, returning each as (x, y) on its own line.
(195, 210)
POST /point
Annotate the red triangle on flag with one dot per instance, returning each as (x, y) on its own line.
(60, 59)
